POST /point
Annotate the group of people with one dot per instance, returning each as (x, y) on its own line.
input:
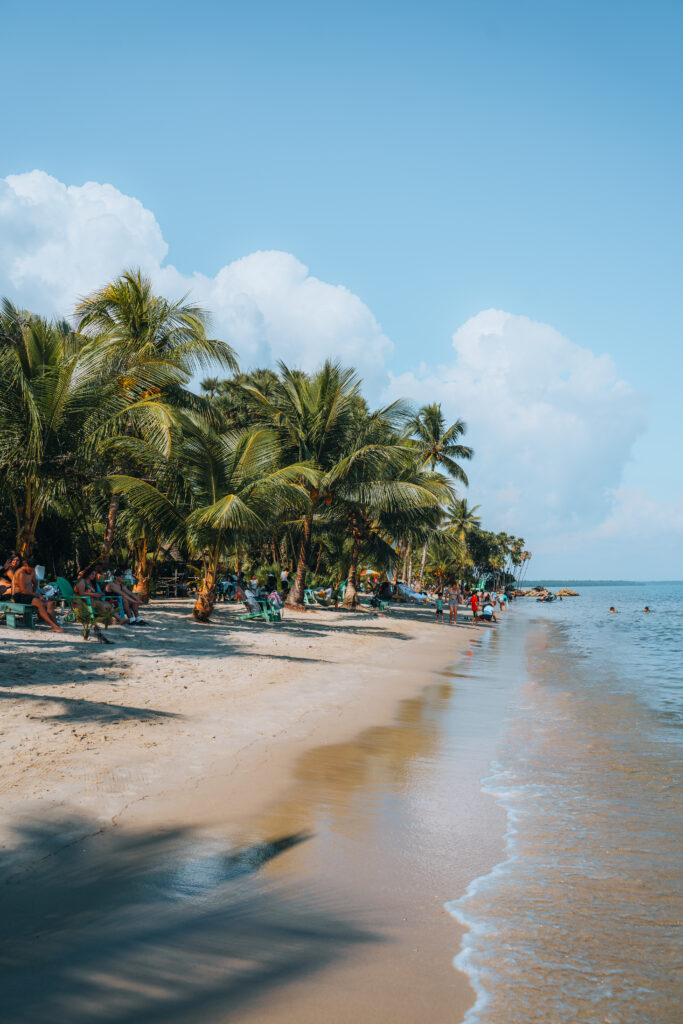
(250, 592)
(482, 605)
(20, 584)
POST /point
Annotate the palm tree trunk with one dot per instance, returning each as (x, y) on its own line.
(404, 571)
(409, 559)
(110, 529)
(423, 563)
(206, 595)
(206, 599)
(141, 588)
(297, 594)
(351, 593)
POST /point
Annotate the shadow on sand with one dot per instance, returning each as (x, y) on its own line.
(125, 927)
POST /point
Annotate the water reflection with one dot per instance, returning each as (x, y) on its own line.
(339, 787)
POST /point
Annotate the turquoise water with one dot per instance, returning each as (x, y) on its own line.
(580, 922)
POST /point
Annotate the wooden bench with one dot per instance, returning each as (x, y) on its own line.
(18, 616)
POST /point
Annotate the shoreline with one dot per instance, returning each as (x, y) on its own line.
(211, 741)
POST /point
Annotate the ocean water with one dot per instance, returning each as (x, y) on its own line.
(581, 921)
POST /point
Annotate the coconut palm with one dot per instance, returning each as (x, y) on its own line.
(378, 493)
(149, 337)
(210, 386)
(439, 446)
(53, 389)
(313, 417)
(460, 519)
(217, 488)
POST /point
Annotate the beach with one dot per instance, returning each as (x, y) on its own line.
(182, 743)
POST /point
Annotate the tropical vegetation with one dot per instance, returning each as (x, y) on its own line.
(108, 452)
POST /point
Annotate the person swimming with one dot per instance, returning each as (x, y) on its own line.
(613, 611)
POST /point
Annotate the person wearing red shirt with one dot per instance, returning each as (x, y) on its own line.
(474, 605)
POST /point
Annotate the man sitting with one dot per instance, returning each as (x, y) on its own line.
(131, 605)
(25, 591)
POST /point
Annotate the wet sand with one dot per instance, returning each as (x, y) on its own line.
(235, 766)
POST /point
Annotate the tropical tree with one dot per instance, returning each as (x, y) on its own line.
(215, 489)
(438, 446)
(146, 337)
(54, 386)
(313, 417)
(378, 493)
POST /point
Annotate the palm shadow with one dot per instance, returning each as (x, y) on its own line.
(128, 927)
(78, 709)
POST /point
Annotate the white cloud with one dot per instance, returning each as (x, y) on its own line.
(551, 423)
(636, 516)
(59, 242)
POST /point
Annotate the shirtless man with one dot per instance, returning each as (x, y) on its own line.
(25, 591)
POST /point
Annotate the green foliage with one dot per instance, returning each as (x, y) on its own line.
(104, 449)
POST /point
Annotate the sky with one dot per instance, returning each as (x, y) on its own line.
(473, 203)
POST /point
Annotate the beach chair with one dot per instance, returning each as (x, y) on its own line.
(112, 599)
(18, 616)
(309, 598)
(266, 612)
(67, 595)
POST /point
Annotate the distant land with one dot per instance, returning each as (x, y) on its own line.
(594, 583)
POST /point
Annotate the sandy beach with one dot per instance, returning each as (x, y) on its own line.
(232, 736)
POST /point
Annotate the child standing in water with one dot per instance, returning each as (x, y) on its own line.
(439, 606)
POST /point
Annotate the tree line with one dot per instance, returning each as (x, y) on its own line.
(107, 453)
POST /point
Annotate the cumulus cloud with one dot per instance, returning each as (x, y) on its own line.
(60, 242)
(551, 423)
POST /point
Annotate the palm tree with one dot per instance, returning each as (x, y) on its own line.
(378, 493)
(439, 446)
(151, 337)
(313, 416)
(210, 386)
(217, 489)
(52, 395)
(460, 519)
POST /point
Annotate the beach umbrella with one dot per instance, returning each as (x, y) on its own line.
(370, 572)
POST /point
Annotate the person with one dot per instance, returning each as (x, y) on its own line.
(25, 591)
(86, 587)
(271, 583)
(439, 606)
(284, 584)
(613, 611)
(474, 605)
(646, 609)
(131, 605)
(247, 595)
(254, 583)
(488, 612)
(8, 571)
(453, 597)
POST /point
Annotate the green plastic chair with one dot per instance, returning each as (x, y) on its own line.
(69, 596)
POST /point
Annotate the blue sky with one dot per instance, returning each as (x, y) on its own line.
(435, 159)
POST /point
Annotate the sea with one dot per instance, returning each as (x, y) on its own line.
(581, 920)
(532, 791)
